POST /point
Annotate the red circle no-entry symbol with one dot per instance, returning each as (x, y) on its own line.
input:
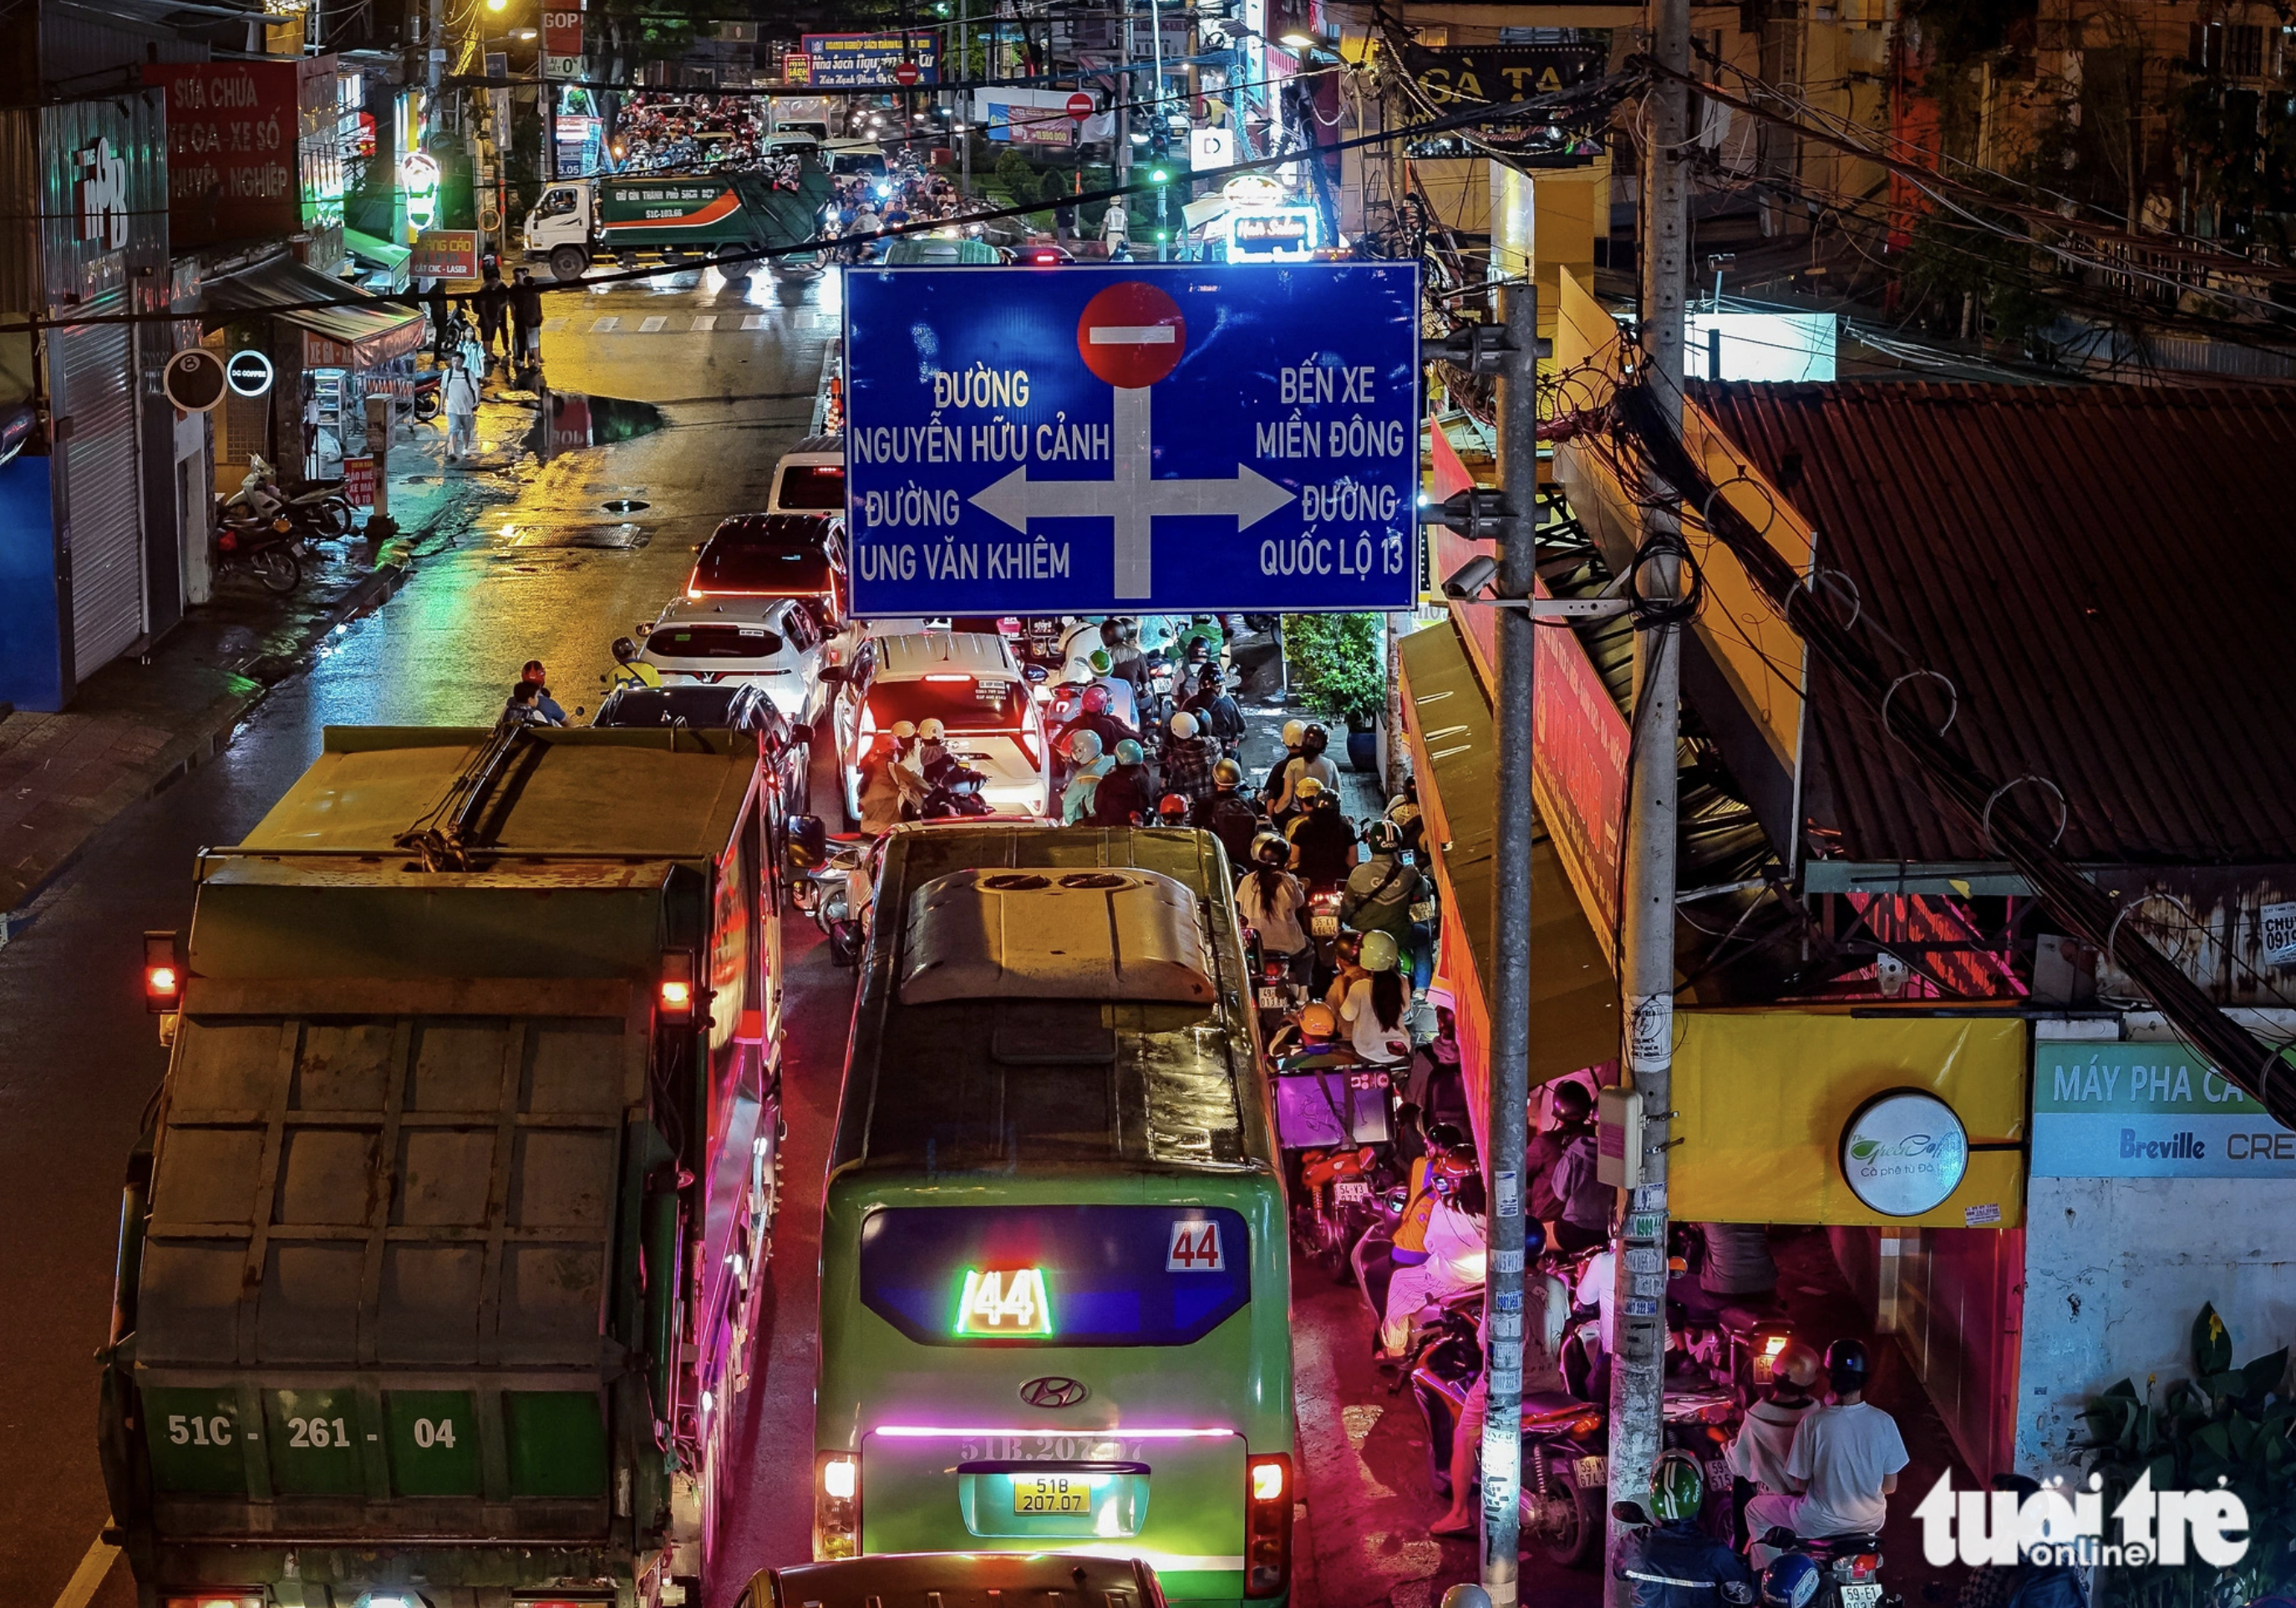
(1132, 335)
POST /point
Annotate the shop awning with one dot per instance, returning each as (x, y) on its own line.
(369, 334)
(380, 254)
(1574, 1006)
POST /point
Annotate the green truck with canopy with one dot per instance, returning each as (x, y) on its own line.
(672, 219)
(441, 1256)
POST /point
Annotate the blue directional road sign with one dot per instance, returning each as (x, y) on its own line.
(1166, 438)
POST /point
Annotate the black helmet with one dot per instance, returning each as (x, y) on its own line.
(625, 650)
(1317, 736)
(1847, 1366)
(1444, 1135)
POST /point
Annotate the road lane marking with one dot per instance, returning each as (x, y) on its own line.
(605, 326)
(651, 324)
(753, 321)
(556, 323)
(80, 1589)
(705, 321)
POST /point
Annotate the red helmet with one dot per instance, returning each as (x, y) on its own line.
(1173, 806)
(1095, 701)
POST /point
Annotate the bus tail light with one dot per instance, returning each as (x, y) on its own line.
(674, 994)
(163, 973)
(836, 1506)
(1267, 1525)
(212, 1600)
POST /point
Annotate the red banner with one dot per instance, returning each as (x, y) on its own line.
(562, 33)
(232, 164)
(445, 254)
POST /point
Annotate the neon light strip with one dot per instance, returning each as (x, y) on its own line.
(920, 1431)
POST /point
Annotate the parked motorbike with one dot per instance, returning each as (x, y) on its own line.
(268, 548)
(319, 509)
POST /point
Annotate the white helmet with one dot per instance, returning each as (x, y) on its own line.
(1295, 732)
(931, 731)
(1184, 725)
(1079, 674)
(903, 730)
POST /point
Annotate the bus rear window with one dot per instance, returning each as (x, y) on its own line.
(1064, 1276)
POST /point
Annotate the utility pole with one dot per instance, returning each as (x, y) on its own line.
(1638, 1363)
(434, 35)
(1123, 162)
(1162, 140)
(1509, 1116)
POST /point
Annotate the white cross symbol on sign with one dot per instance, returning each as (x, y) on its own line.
(1131, 335)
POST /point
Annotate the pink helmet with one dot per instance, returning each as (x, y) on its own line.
(1095, 699)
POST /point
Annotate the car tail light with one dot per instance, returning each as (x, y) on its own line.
(675, 993)
(1773, 1345)
(163, 973)
(947, 676)
(836, 1506)
(1268, 1526)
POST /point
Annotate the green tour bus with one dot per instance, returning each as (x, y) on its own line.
(1056, 1293)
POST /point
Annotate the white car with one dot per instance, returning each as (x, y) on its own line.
(971, 683)
(810, 478)
(774, 641)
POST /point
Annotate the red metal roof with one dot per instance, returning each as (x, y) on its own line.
(2107, 574)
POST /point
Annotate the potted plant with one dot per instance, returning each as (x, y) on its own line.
(1337, 665)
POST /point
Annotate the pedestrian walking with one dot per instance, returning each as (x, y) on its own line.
(459, 394)
(441, 314)
(1115, 229)
(492, 304)
(526, 319)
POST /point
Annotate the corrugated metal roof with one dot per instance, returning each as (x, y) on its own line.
(2106, 575)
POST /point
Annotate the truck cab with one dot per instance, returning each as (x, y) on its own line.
(563, 219)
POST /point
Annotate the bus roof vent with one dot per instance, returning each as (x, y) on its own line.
(1110, 933)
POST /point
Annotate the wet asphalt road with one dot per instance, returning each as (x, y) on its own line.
(532, 566)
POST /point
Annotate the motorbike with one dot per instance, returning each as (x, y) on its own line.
(832, 882)
(1565, 1440)
(1735, 1338)
(1849, 1568)
(320, 509)
(268, 549)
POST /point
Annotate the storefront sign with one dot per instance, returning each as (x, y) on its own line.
(234, 172)
(2276, 924)
(1903, 1153)
(247, 372)
(561, 42)
(1498, 75)
(863, 61)
(2148, 1111)
(797, 68)
(445, 254)
(103, 195)
(194, 379)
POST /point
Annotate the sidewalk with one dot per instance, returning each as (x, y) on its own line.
(141, 724)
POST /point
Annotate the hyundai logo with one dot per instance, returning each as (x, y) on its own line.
(1053, 1391)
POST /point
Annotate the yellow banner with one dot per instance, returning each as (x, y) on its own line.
(1765, 1096)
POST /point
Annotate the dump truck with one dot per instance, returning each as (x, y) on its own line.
(674, 220)
(440, 1257)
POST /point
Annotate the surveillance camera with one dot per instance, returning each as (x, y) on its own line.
(1473, 577)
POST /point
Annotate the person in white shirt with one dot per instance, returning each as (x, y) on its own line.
(1757, 1454)
(1458, 1258)
(1843, 1465)
(1374, 1005)
(459, 394)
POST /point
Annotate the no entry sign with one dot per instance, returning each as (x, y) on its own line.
(1079, 106)
(1169, 439)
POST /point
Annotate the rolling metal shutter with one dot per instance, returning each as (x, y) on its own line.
(95, 386)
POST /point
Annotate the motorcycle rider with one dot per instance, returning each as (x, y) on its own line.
(1097, 716)
(1323, 843)
(1467, 1435)
(1091, 762)
(1674, 1563)
(1308, 763)
(1215, 711)
(1381, 891)
(1172, 809)
(532, 671)
(1376, 1261)
(1295, 737)
(1126, 794)
(1756, 1456)
(1271, 900)
(1458, 1256)
(890, 782)
(1227, 814)
(524, 707)
(630, 670)
(1373, 1009)
(933, 758)
(1574, 1125)
(1843, 1463)
(1189, 758)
